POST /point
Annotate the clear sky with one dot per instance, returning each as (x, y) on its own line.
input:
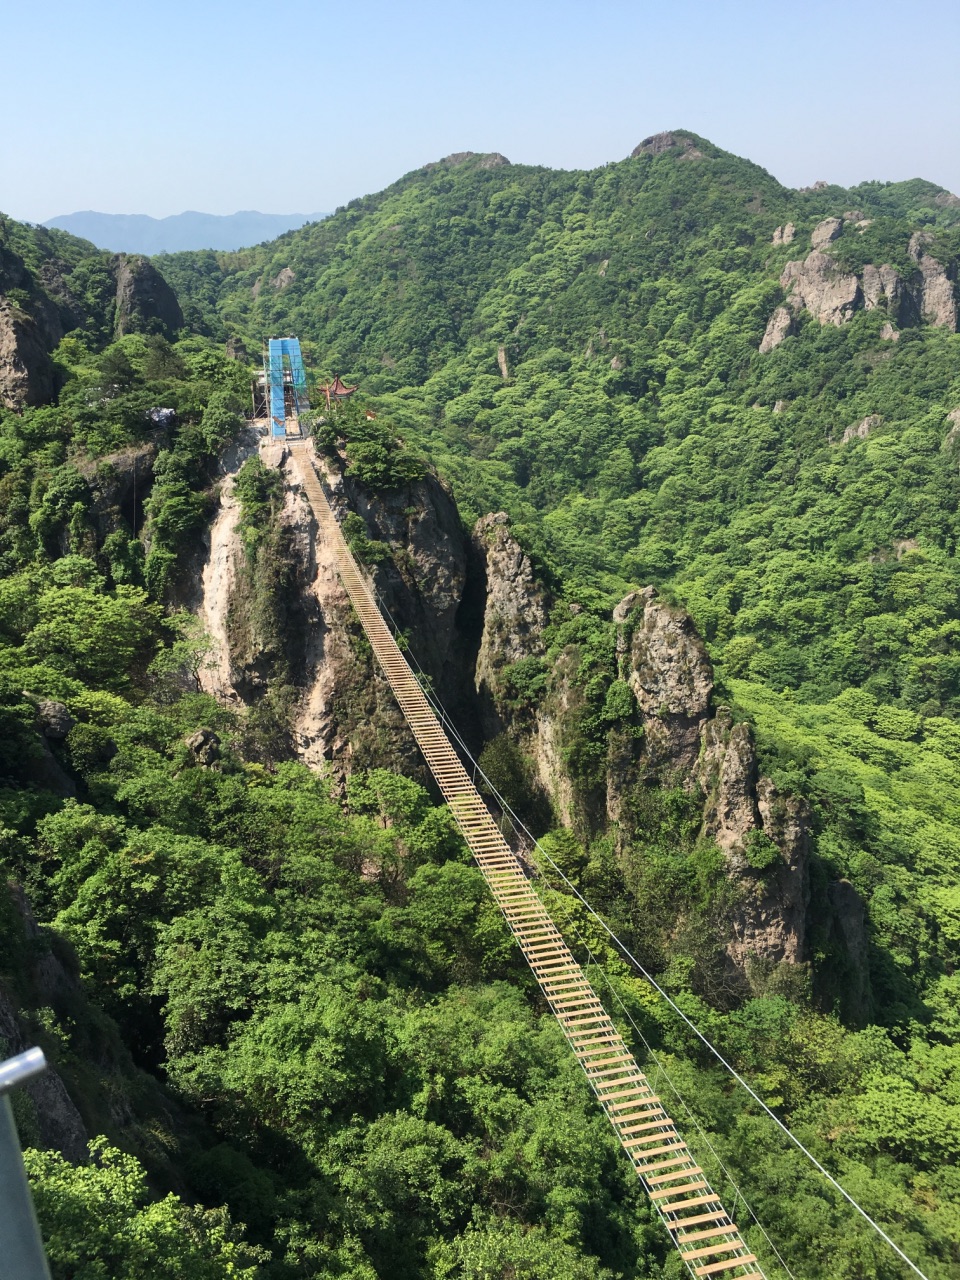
(218, 105)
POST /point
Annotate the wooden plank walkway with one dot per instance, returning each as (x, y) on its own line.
(709, 1242)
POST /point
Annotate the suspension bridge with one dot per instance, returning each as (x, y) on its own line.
(708, 1240)
(706, 1237)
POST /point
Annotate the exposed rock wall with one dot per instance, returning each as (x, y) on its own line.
(471, 610)
(768, 924)
(145, 303)
(818, 285)
(665, 663)
(343, 714)
(218, 576)
(48, 306)
(935, 296)
(516, 610)
(26, 370)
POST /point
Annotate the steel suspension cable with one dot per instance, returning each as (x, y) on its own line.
(632, 959)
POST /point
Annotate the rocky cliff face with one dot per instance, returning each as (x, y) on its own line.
(515, 612)
(935, 295)
(743, 812)
(663, 660)
(659, 143)
(473, 610)
(39, 304)
(818, 285)
(26, 370)
(665, 663)
(343, 713)
(145, 303)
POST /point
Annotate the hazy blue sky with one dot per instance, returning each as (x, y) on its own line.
(153, 107)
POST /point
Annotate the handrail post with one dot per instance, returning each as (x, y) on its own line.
(21, 1246)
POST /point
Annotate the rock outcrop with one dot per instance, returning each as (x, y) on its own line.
(26, 370)
(665, 663)
(860, 430)
(779, 326)
(826, 232)
(343, 713)
(516, 607)
(145, 303)
(743, 812)
(481, 160)
(785, 234)
(473, 609)
(55, 719)
(820, 286)
(936, 298)
(658, 143)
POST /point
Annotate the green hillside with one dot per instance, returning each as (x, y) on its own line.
(298, 1011)
(641, 437)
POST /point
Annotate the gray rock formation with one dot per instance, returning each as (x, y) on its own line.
(26, 370)
(516, 609)
(769, 920)
(482, 160)
(55, 720)
(825, 232)
(145, 302)
(345, 714)
(726, 772)
(937, 298)
(779, 326)
(819, 285)
(658, 143)
(204, 745)
(665, 663)
(884, 286)
(860, 430)
(283, 278)
(785, 234)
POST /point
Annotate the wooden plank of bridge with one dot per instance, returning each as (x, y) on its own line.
(622, 1089)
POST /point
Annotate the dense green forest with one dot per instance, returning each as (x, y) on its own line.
(294, 1015)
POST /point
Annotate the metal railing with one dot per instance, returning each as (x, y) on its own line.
(21, 1248)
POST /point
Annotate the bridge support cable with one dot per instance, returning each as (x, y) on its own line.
(634, 963)
(708, 1241)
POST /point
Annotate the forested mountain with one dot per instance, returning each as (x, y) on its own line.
(692, 594)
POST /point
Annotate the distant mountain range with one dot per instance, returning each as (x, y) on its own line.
(139, 233)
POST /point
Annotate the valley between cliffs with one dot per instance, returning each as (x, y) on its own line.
(473, 611)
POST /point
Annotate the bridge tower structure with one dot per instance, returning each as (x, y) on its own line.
(287, 382)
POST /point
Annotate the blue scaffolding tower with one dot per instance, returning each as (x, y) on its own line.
(286, 369)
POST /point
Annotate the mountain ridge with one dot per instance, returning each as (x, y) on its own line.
(190, 230)
(655, 468)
